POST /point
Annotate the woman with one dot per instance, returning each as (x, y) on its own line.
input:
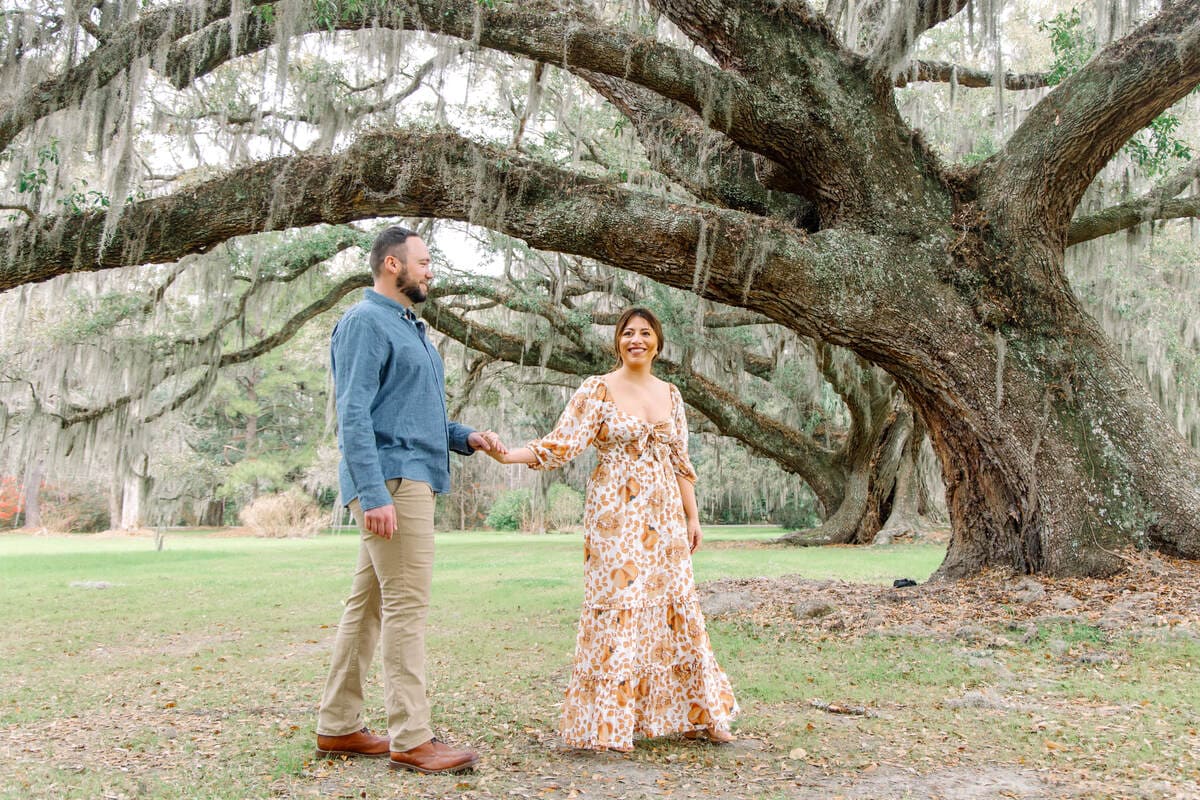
(643, 662)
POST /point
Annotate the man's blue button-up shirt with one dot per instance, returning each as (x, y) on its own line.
(391, 402)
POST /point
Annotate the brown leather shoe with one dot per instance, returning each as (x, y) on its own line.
(434, 756)
(362, 744)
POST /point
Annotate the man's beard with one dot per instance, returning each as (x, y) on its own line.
(411, 290)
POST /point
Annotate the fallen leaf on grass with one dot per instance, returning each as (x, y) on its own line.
(839, 708)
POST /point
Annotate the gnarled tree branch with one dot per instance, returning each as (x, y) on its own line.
(1129, 215)
(1045, 167)
(945, 72)
(911, 19)
(755, 116)
(680, 146)
(744, 260)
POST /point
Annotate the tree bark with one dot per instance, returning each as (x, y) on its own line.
(132, 495)
(906, 512)
(888, 493)
(1070, 462)
(213, 515)
(33, 491)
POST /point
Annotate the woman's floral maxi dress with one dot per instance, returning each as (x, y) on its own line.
(643, 661)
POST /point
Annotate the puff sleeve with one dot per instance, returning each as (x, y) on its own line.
(679, 439)
(575, 429)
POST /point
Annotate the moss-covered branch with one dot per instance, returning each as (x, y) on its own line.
(112, 57)
(908, 21)
(743, 260)
(1045, 167)
(946, 72)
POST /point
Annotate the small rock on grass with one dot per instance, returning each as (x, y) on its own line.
(813, 609)
(1098, 657)
(985, 698)
(1064, 602)
(1028, 591)
(718, 603)
(971, 633)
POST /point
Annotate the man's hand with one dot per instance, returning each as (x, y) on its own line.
(487, 441)
(381, 521)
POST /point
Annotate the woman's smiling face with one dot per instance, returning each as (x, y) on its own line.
(638, 342)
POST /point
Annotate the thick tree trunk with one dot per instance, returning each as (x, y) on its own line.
(131, 504)
(32, 501)
(214, 514)
(1053, 454)
(906, 506)
(537, 503)
(885, 471)
(843, 525)
(869, 486)
(116, 490)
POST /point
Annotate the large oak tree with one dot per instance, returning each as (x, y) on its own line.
(811, 202)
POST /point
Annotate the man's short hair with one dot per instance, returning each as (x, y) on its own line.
(385, 245)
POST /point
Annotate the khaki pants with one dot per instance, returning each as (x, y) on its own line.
(389, 600)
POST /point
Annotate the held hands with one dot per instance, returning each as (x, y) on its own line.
(487, 441)
(381, 521)
(695, 535)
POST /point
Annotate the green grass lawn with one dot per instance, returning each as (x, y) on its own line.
(195, 673)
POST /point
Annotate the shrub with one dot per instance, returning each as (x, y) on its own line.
(289, 514)
(564, 506)
(797, 514)
(510, 511)
(10, 500)
(68, 511)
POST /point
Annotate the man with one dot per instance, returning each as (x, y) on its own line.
(395, 442)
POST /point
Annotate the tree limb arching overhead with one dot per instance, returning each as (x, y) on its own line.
(438, 174)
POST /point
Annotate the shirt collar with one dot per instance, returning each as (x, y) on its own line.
(375, 297)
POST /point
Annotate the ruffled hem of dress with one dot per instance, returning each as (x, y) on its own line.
(606, 712)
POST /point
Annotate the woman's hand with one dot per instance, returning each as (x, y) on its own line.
(695, 535)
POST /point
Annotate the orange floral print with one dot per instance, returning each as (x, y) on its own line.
(643, 661)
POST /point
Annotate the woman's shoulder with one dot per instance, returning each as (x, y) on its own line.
(594, 387)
